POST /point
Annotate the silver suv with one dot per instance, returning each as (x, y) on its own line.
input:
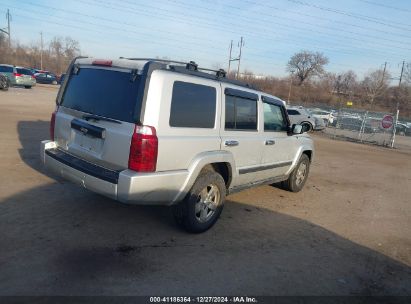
(147, 131)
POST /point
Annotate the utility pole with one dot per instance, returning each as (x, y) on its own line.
(229, 58)
(41, 50)
(394, 127)
(383, 72)
(8, 17)
(402, 72)
(291, 83)
(241, 44)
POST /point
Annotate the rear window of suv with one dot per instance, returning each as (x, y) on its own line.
(23, 71)
(6, 69)
(103, 92)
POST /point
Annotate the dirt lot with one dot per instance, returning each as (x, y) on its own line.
(347, 233)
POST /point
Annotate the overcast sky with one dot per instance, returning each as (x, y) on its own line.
(354, 34)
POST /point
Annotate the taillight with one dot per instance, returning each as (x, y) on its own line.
(17, 74)
(52, 124)
(143, 149)
(32, 76)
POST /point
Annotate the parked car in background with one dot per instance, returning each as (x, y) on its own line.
(403, 129)
(46, 78)
(356, 123)
(301, 116)
(328, 117)
(18, 76)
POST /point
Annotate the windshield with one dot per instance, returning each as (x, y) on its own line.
(103, 92)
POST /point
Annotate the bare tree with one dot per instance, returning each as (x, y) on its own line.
(71, 48)
(375, 83)
(306, 64)
(344, 83)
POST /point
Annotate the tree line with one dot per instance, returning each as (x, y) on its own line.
(310, 84)
(55, 55)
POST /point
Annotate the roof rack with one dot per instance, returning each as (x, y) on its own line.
(191, 65)
(192, 68)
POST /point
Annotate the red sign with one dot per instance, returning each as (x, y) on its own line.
(387, 121)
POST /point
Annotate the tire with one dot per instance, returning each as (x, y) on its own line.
(27, 87)
(194, 213)
(54, 82)
(298, 177)
(307, 126)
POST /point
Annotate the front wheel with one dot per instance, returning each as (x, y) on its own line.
(203, 204)
(54, 82)
(298, 177)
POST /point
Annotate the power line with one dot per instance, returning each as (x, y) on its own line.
(387, 6)
(264, 21)
(122, 30)
(293, 42)
(208, 25)
(357, 16)
(253, 21)
(316, 17)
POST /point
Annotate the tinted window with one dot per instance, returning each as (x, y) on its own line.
(240, 113)
(274, 118)
(102, 92)
(192, 105)
(23, 71)
(292, 112)
(6, 69)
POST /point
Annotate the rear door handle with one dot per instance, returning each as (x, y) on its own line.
(269, 142)
(231, 143)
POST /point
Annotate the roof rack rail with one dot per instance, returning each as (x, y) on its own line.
(191, 65)
(156, 59)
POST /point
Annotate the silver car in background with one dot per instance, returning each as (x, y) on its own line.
(302, 116)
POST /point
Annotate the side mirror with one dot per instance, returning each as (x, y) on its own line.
(297, 129)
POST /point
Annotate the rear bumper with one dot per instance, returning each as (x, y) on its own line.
(159, 188)
(25, 82)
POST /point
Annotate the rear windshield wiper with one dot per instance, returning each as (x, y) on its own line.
(95, 117)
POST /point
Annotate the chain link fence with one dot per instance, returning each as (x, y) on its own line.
(363, 126)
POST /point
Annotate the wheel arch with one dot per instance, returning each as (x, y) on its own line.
(218, 161)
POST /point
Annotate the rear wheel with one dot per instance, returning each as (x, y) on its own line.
(27, 87)
(298, 177)
(307, 126)
(203, 204)
(54, 82)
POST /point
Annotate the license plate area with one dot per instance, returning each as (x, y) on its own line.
(87, 137)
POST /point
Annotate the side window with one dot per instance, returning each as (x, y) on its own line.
(273, 118)
(192, 105)
(240, 113)
(292, 112)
